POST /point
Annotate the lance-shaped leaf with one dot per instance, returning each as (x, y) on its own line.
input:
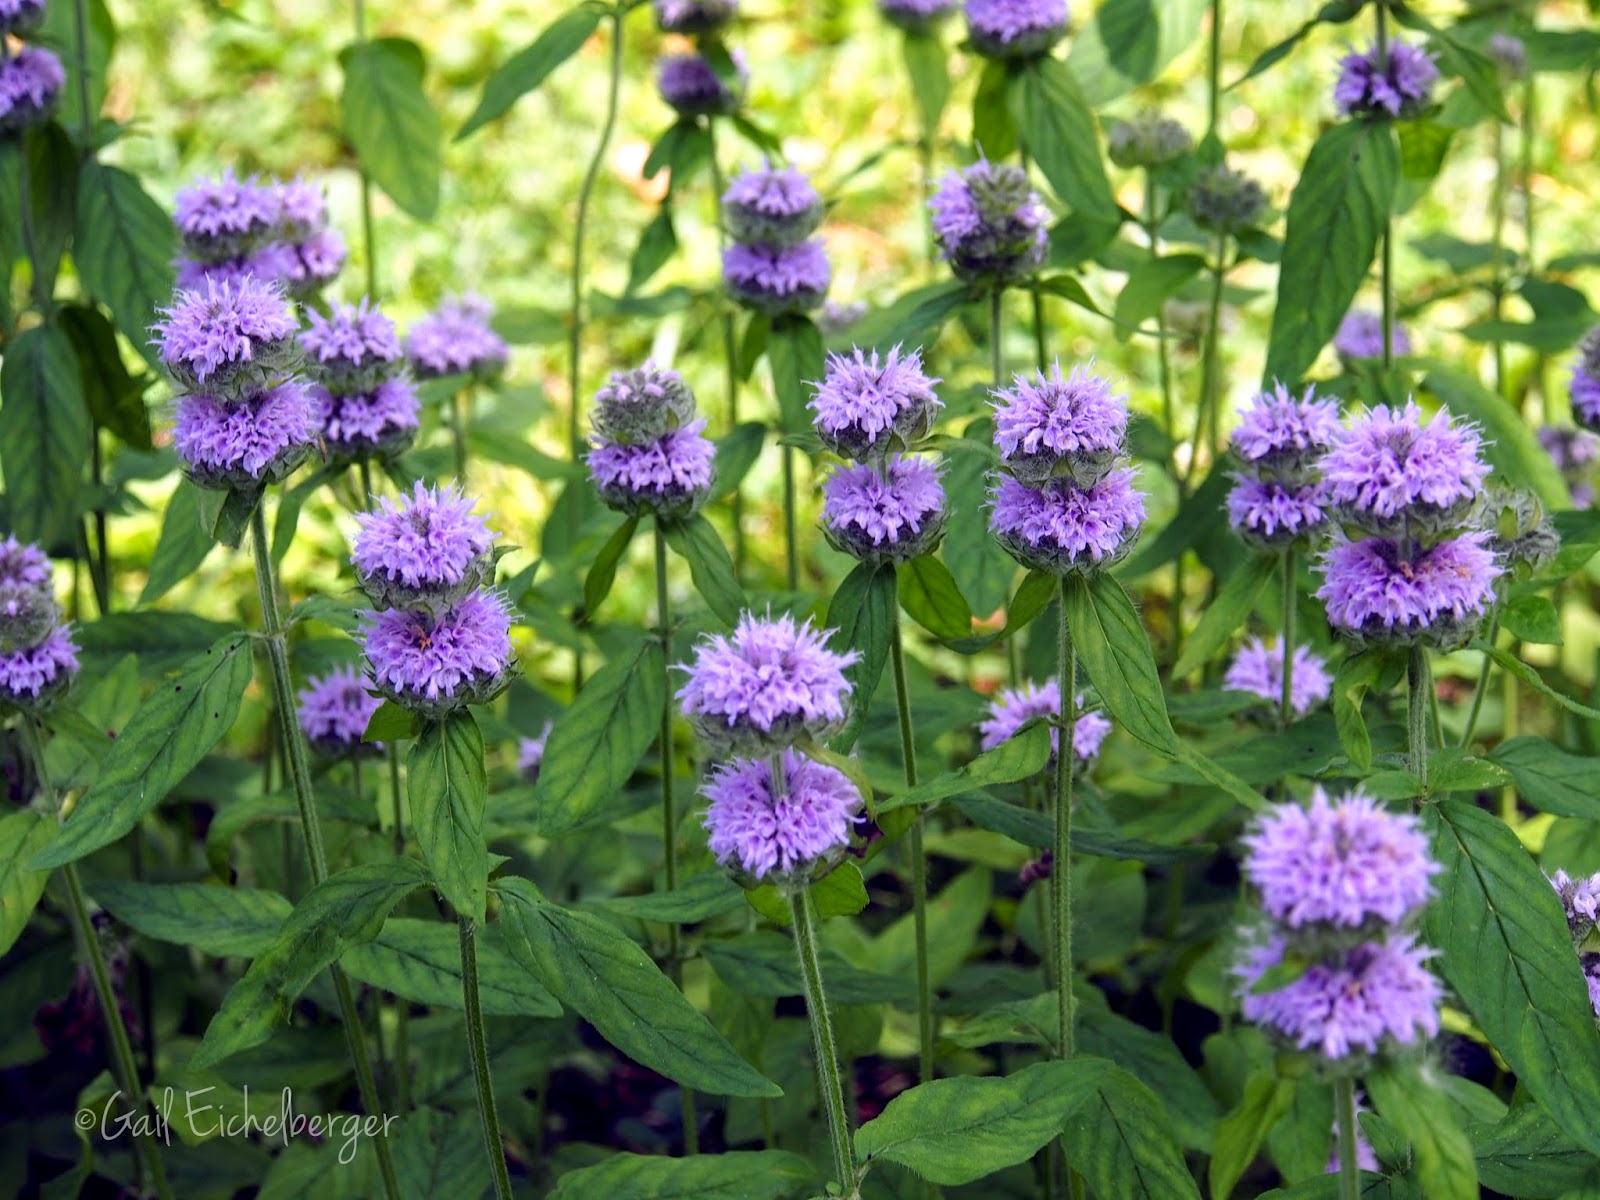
(529, 67)
(734, 1175)
(862, 612)
(22, 835)
(1123, 1144)
(420, 961)
(697, 542)
(214, 920)
(123, 248)
(449, 789)
(391, 123)
(44, 432)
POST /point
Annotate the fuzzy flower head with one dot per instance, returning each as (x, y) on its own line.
(1258, 669)
(1360, 337)
(428, 549)
(530, 754)
(19, 17)
(456, 339)
(770, 684)
(226, 217)
(890, 515)
(782, 830)
(642, 406)
(381, 423)
(244, 444)
(917, 16)
(435, 664)
(1580, 899)
(839, 317)
(1054, 427)
(23, 563)
(1390, 473)
(308, 266)
(695, 17)
(1016, 28)
(1401, 87)
(352, 349)
(1224, 200)
(1522, 537)
(670, 476)
(1064, 529)
(1436, 596)
(1586, 382)
(990, 224)
(867, 407)
(1149, 140)
(30, 85)
(229, 339)
(772, 206)
(1271, 515)
(334, 710)
(302, 209)
(1509, 54)
(777, 280)
(32, 677)
(692, 88)
(27, 615)
(1366, 1000)
(1284, 436)
(1012, 708)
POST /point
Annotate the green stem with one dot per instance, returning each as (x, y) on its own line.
(479, 1048)
(1344, 1103)
(919, 860)
(1286, 701)
(369, 241)
(1214, 70)
(791, 534)
(310, 827)
(1417, 689)
(996, 353)
(1497, 286)
(1061, 868)
(1205, 418)
(1483, 682)
(826, 1053)
(730, 349)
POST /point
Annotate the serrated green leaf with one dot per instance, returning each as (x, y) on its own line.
(1549, 778)
(214, 920)
(22, 835)
(391, 123)
(1115, 652)
(1060, 135)
(863, 612)
(1122, 1143)
(699, 898)
(44, 433)
(123, 247)
(734, 1175)
(182, 546)
(1022, 756)
(529, 67)
(795, 354)
(932, 598)
(420, 961)
(447, 783)
(1444, 1160)
(839, 893)
(603, 570)
(115, 398)
(1235, 601)
(697, 542)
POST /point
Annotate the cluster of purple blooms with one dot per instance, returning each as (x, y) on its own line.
(38, 657)
(990, 224)
(1586, 382)
(361, 393)
(1360, 337)
(272, 230)
(1277, 497)
(1007, 29)
(1580, 900)
(1012, 708)
(1397, 82)
(889, 506)
(650, 453)
(773, 265)
(244, 419)
(457, 338)
(1341, 883)
(760, 696)
(1258, 669)
(31, 79)
(1576, 453)
(694, 17)
(334, 711)
(691, 83)
(1064, 505)
(917, 16)
(441, 637)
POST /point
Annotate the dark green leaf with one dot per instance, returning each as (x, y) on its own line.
(733, 1175)
(603, 571)
(1020, 757)
(696, 540)
(182, 546)
(1526, 1154)
(1515, 666)
(927, 66)
(914, 319)
(1030, 827)
(1231, 609)
(527, 69)
(53, 163)
(1197, 519)
(225, 515)
(44, 433)
(1115, 653)
(929, 594)
(391, 123)
(420, 961)
(840, 893)
(1121, 1141)
(1549, 778)
(214, 920)
(123, 248)
(115, 398)
(448, 787)
(1422, 1114)
(994, 128)
(60, 30)
(698, 898)
(795, 353)
(737, 452)
(657, 244)
(1129, 43)
(982, 570)
(23, 834)
(1152, 284)
(1356, 674)
(863, 612)
(1267, 1096)
(1060, 134)
(1532, 618)
(390, 723)
(764, 964)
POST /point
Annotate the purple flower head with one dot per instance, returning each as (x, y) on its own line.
(1509, 54)
(1150, 140)
(1586, 397)
(1016, 28)
(20, 16)
(784, 831)
(1364, 1000)
(1360, 337)
(642, 406)
(1347, 865)
(30, 84)
(867, 408)
(33, 676)
(429, 549)
(434, 665)
(226, 217)
(1402, 87)
(1389, 473)
(1270, 514)
(1436, 596)
(1012, 708)
(352, 349)
(381, 423)
(694, 16)
(777, 280)
(1226, 201)
(1580, 898)
(228, 339)
(766, 687)
(1063, 529)
(334, 710)
(990, 224)
(247, 443)
(837, 318)
(774, 207)
(27, 615)
(917, 16)
(1258, 669)
(1283, 435)
(456, 339)
(307, 267)
(692, 88)
(23, 563)
(670, 476)
(1050, 427)
(530, 753)
(302, 209)
(890, 515)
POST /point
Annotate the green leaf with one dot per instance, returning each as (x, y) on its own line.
(733, 1175)
(1334, 12)
(1232, 608)
(982, 570)
(1157, 1063)
(953, 1131)
(1060, 134)
(1029, 827)
(994, 127)
(390, 723)
(763, 963)
(390, 122)
(529, 67)
(1504, 949)
(1019, 757)
(610, 982)
(1129, 43)
(598, 741)
(170, 733)
(420, 961)
(1356, 674)
(928, 67)
(1150, 285)
(115, 398)
(1115, 653)
(795, 354)
(1526, 1154)
(53, 163)
(914, 319)
(123, 247)
(1509, 443)
(214, 920)
(696, 541)
(658, 242)
(225, 515)
(345, 908)
(1515, 666)
(448, 787)
(1532, 618)
(1196, 520)
(1444, 1160)
(1121, 1141)
(44, 433)
(182, 546)
(699, 898)
(1267, 1096)
(737, 452)
(603, 571)
(1335, 221)
(22, 835)
(1549, 778)
(839, 893)
(929, 594)
(863, 611)
(437, 1154)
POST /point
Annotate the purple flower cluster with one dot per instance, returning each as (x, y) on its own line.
(777, 278)
(771, 207)
(1378, 590)
(1392, 474)
(228, 340)
(917, 16)
(692, 88)
(1280, 439)
(30, 85)
(457, 339)
(1576, 453)
(1258, 669)
(867, 408)
(1360, 337)
(270, 230)
(1586, 382)
(1271, 514)
(427, 550)
(1007, 29)
(885, 511)
(1400, 86)
(334, 710)
(1012, 708)
(1054, 427)
(780, 816)
(23, 563)
(246, 443)
(18, 17)
(990, 224)
(696, 17)
(670, 476)
(1580, 900)
(642, 406)
(379, 423)
(363, 398)
(38, 657)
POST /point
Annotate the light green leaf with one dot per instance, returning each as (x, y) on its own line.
(529, 67)
(1020, 757)
(734, 1175)
(864, 613)
(928, 67)
(1122, 1143)
(696, 540)
(1115, 652)
(1533, 618)
(214, 920)
(1150, 285)
(1515, 666)
(420, 961)
(1267, 1097)
(1231, 609)
(1059, 133)
(1549, 778)
(391, 123)
(449, 789)
(1129, 43)
(931, 597)
(123, 247)
(1419, 1111)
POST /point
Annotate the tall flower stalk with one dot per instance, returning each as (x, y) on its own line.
(825, 1051)
(369, 239)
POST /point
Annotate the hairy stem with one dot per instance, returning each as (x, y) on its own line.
(1417, 691)
(478, 1046)
(1061, 867)
(919, 860)
(997, 356)
(1483, 682)
(825, 1051)
(460, 421)
(1286, 701)
(1344, 1103)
